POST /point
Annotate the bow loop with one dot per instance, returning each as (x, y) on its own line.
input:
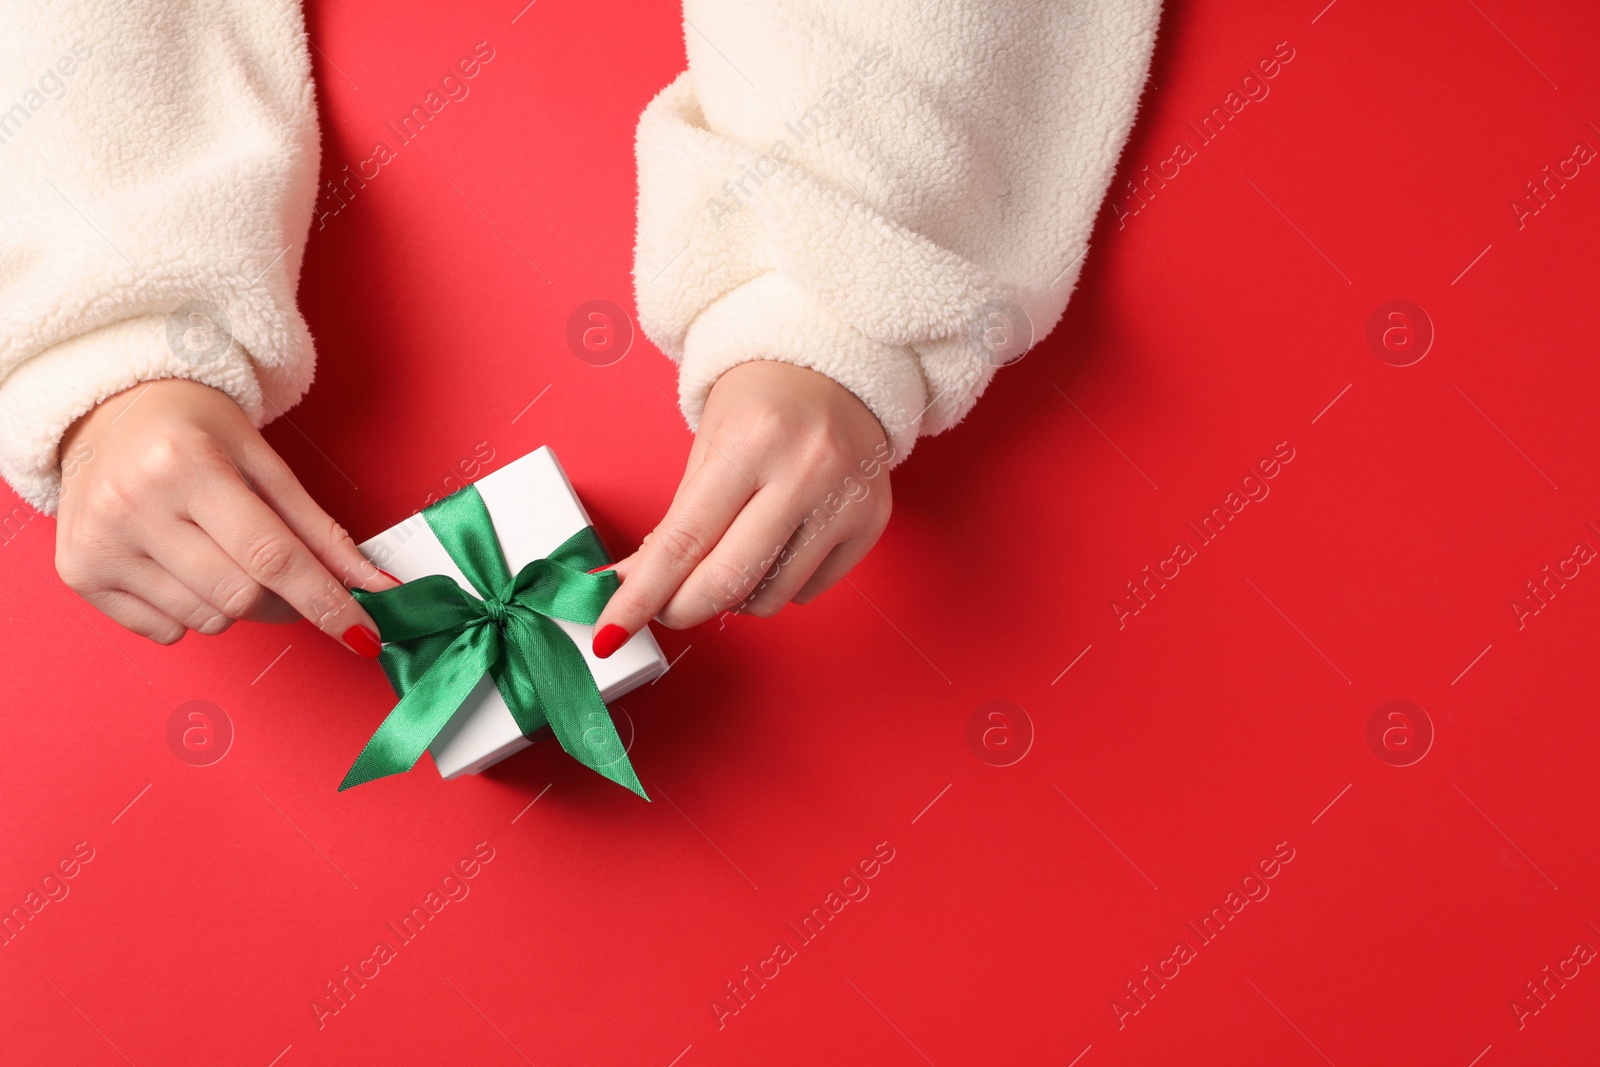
(431, 605)
(560, 585)
(439, 641)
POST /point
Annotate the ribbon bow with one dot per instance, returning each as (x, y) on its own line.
(440, 640)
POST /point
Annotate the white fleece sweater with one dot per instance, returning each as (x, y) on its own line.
(852, 187)
(858, 187)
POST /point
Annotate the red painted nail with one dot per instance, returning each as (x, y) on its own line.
(610, 638)
(604, 567)
(362, 641)
(389, 576)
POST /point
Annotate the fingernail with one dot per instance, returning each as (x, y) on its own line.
(610, 638)
(362, 641)
(603, 567)
(389, 576)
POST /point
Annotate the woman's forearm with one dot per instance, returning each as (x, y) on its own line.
(157, 176)
(855, 188)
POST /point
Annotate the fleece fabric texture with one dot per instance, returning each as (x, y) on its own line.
(854, 188)
(158, 167)
(895, 193)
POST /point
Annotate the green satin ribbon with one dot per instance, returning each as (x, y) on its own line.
(440, 640)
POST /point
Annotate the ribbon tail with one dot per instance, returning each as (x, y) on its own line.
(426, 707)
(564, 691)
(590, 737)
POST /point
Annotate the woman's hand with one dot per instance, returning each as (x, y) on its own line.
(787, 488)
(177, 515)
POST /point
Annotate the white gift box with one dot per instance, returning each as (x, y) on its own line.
(534, 510)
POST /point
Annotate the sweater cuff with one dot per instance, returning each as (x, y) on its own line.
(51, 390)
(772, 318)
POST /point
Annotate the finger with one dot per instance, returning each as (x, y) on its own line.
(840, 562)
(806, 551)
(753, 545)
(156, 586)
(705, 505)
(253, 535)
(699, 449)
(335, 549)
(133, 613)
(190, 555)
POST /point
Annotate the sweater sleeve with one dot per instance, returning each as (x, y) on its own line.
(158, 168)
(895, 193)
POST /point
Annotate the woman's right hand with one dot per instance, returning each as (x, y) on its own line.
(176, 515)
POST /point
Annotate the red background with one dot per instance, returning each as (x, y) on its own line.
(1176, 752)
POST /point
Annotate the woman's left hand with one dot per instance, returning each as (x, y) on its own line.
(787, 489)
